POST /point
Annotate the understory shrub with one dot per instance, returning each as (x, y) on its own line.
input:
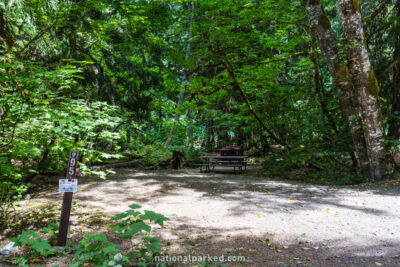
(328, 168)
(192, 157)
(151, 155)
(96, 249)
(36, 245)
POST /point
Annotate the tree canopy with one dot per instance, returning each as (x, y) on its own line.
(310, 84)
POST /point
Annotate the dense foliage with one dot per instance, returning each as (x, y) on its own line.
(146, 77)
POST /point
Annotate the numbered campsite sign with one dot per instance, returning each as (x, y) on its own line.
(68, 186)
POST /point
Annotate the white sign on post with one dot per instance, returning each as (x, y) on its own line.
(65, 185)
(70, 184)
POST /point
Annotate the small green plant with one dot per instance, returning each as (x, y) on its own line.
(52, 231)
(38, 247)
(97, 250)
(132, 222)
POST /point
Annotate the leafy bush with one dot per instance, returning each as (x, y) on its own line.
(43, 119)
(298, 165)
(277, 165)
(151, 155)
(52, 231)
(192, 157)
(96, 249)
(38, 247)
(99, 251)
(133, 222)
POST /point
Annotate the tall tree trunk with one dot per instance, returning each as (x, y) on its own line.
(394, 124)
(185, 80)
(321, 29)
(366, 84)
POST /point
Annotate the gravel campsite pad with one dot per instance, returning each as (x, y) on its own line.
(271, 223)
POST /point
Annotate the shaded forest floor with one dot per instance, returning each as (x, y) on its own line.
(271, 223)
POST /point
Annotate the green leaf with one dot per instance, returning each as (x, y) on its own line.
(154, 217)
(140, 226)
(133, 213)
(136, 228)
(110, 249)
(41, 246)
(120, 216)
(98, 237)
(134, 206)
(154, 244)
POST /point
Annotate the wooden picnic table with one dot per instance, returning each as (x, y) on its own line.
(225, 161)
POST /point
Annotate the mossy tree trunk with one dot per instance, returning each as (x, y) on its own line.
(366, 85)
(321, 29)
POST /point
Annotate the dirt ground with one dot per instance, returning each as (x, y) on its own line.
(271, 223)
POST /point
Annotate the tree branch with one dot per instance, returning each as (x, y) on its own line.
(238, 88)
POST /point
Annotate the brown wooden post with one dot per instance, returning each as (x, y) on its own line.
(64, 221)
(67, 200)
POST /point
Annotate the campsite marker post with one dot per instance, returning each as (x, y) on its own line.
(68, 186)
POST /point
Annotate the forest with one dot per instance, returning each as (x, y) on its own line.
(308, 89)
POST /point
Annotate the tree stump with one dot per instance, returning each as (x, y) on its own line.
(177, 160)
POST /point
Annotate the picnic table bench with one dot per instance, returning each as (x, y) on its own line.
(225, 161)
